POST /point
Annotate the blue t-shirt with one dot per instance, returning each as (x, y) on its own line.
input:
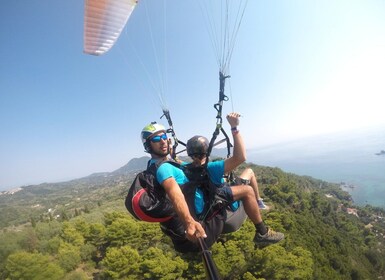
(167, 170)
(215, 169)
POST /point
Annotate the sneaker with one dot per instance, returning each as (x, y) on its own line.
(270, 237)
(261, 205)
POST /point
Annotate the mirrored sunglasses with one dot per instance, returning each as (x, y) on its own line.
(157, 138)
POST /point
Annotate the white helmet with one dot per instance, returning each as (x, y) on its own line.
(148, 131)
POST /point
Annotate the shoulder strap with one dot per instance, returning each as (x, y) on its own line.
(152, 167)
(197, 174)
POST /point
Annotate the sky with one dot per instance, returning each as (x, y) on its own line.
(299, 68)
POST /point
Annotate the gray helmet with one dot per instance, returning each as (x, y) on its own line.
(197, 145)
(148, 131)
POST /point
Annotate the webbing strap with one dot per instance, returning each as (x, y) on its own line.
(218, 106)
(166, 113)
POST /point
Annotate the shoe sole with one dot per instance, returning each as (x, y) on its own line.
(263, 244)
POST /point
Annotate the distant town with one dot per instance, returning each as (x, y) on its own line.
(11, 191)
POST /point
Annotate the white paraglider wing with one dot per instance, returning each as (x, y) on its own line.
(104, 20)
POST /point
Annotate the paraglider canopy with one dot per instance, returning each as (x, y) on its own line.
(104, 20)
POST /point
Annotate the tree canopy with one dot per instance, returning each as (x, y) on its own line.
(323, 241)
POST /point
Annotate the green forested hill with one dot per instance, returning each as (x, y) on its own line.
(81, 230)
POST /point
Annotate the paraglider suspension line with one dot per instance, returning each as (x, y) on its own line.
(166, 113)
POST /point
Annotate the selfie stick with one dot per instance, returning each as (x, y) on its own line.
(210, 267)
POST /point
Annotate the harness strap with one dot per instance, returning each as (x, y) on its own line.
(166, 113)
(218, 106)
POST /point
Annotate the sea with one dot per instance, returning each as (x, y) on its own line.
(352, 159)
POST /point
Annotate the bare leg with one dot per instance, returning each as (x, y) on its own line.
(264, 235)
(247, 195)
(248, 174)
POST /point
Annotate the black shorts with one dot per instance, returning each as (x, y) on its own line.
(225, 194)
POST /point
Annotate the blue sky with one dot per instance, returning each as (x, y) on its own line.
(299, 68)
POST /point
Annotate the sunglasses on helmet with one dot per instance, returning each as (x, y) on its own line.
(158, 138)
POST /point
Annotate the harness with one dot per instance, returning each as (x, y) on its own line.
(210, 217)
(200, 193)
(146, 200)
